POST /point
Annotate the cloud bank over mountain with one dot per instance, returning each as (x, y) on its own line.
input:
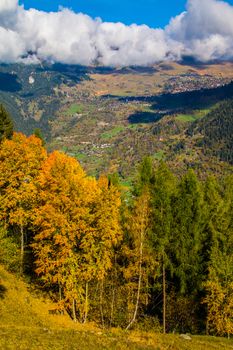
(204, 31)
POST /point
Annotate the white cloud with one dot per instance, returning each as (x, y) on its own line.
(11, 46)
(8, 5)
(204, 30)
(118, 44)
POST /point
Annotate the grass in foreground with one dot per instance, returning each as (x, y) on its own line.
(26, 324)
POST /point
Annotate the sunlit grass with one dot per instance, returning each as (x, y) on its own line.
(74, 108)
(192, 116)
(26, 324)
(158, 155)
(113, 132)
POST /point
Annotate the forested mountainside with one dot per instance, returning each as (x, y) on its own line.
(216, 129)
(29, 92)
(109, 118)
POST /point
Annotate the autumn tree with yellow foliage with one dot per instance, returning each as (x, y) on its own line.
(20, 162)
(77, 225)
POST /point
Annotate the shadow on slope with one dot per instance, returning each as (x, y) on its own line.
(125, 70)
(9, 83)
(188, 99)
(65, 73)
(144, 117)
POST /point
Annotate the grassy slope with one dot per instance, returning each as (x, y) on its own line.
(26, 324)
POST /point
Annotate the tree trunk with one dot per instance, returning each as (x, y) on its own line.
(60, 294)
(147, 293)
(86, 304)
(22, 250)
(113, 292)
(139, 283)
(164, 298)
(101, 302)
(112, 306)
(207, 322)
(74, 311)
(61, 306)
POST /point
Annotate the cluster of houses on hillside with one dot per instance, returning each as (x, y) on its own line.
(193, 81)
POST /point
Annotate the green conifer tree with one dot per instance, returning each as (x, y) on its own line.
(187, 234)
(38, 133)
(219, 285)
(221, 253)
(145, 175)
(6, 124)
(163, 191)
(213, 211)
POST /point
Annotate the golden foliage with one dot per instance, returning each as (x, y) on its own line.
(20, 162)
(219, 302)
(77, 224)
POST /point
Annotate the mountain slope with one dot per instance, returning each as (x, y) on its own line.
(216, 131)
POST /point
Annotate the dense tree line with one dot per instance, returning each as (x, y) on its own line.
(160, 258)
(216, 130)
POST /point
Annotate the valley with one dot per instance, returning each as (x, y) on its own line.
(109, 118)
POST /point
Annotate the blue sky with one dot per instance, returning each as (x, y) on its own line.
(155, 13)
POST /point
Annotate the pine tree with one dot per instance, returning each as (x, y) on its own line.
(163, 192)
(6, 124)
(219, 285)
(222, 247)
(144, 176)
(38, 133)
(213, 211)
(188, 228)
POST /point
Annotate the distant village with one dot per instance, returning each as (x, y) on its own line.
(192, 82)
